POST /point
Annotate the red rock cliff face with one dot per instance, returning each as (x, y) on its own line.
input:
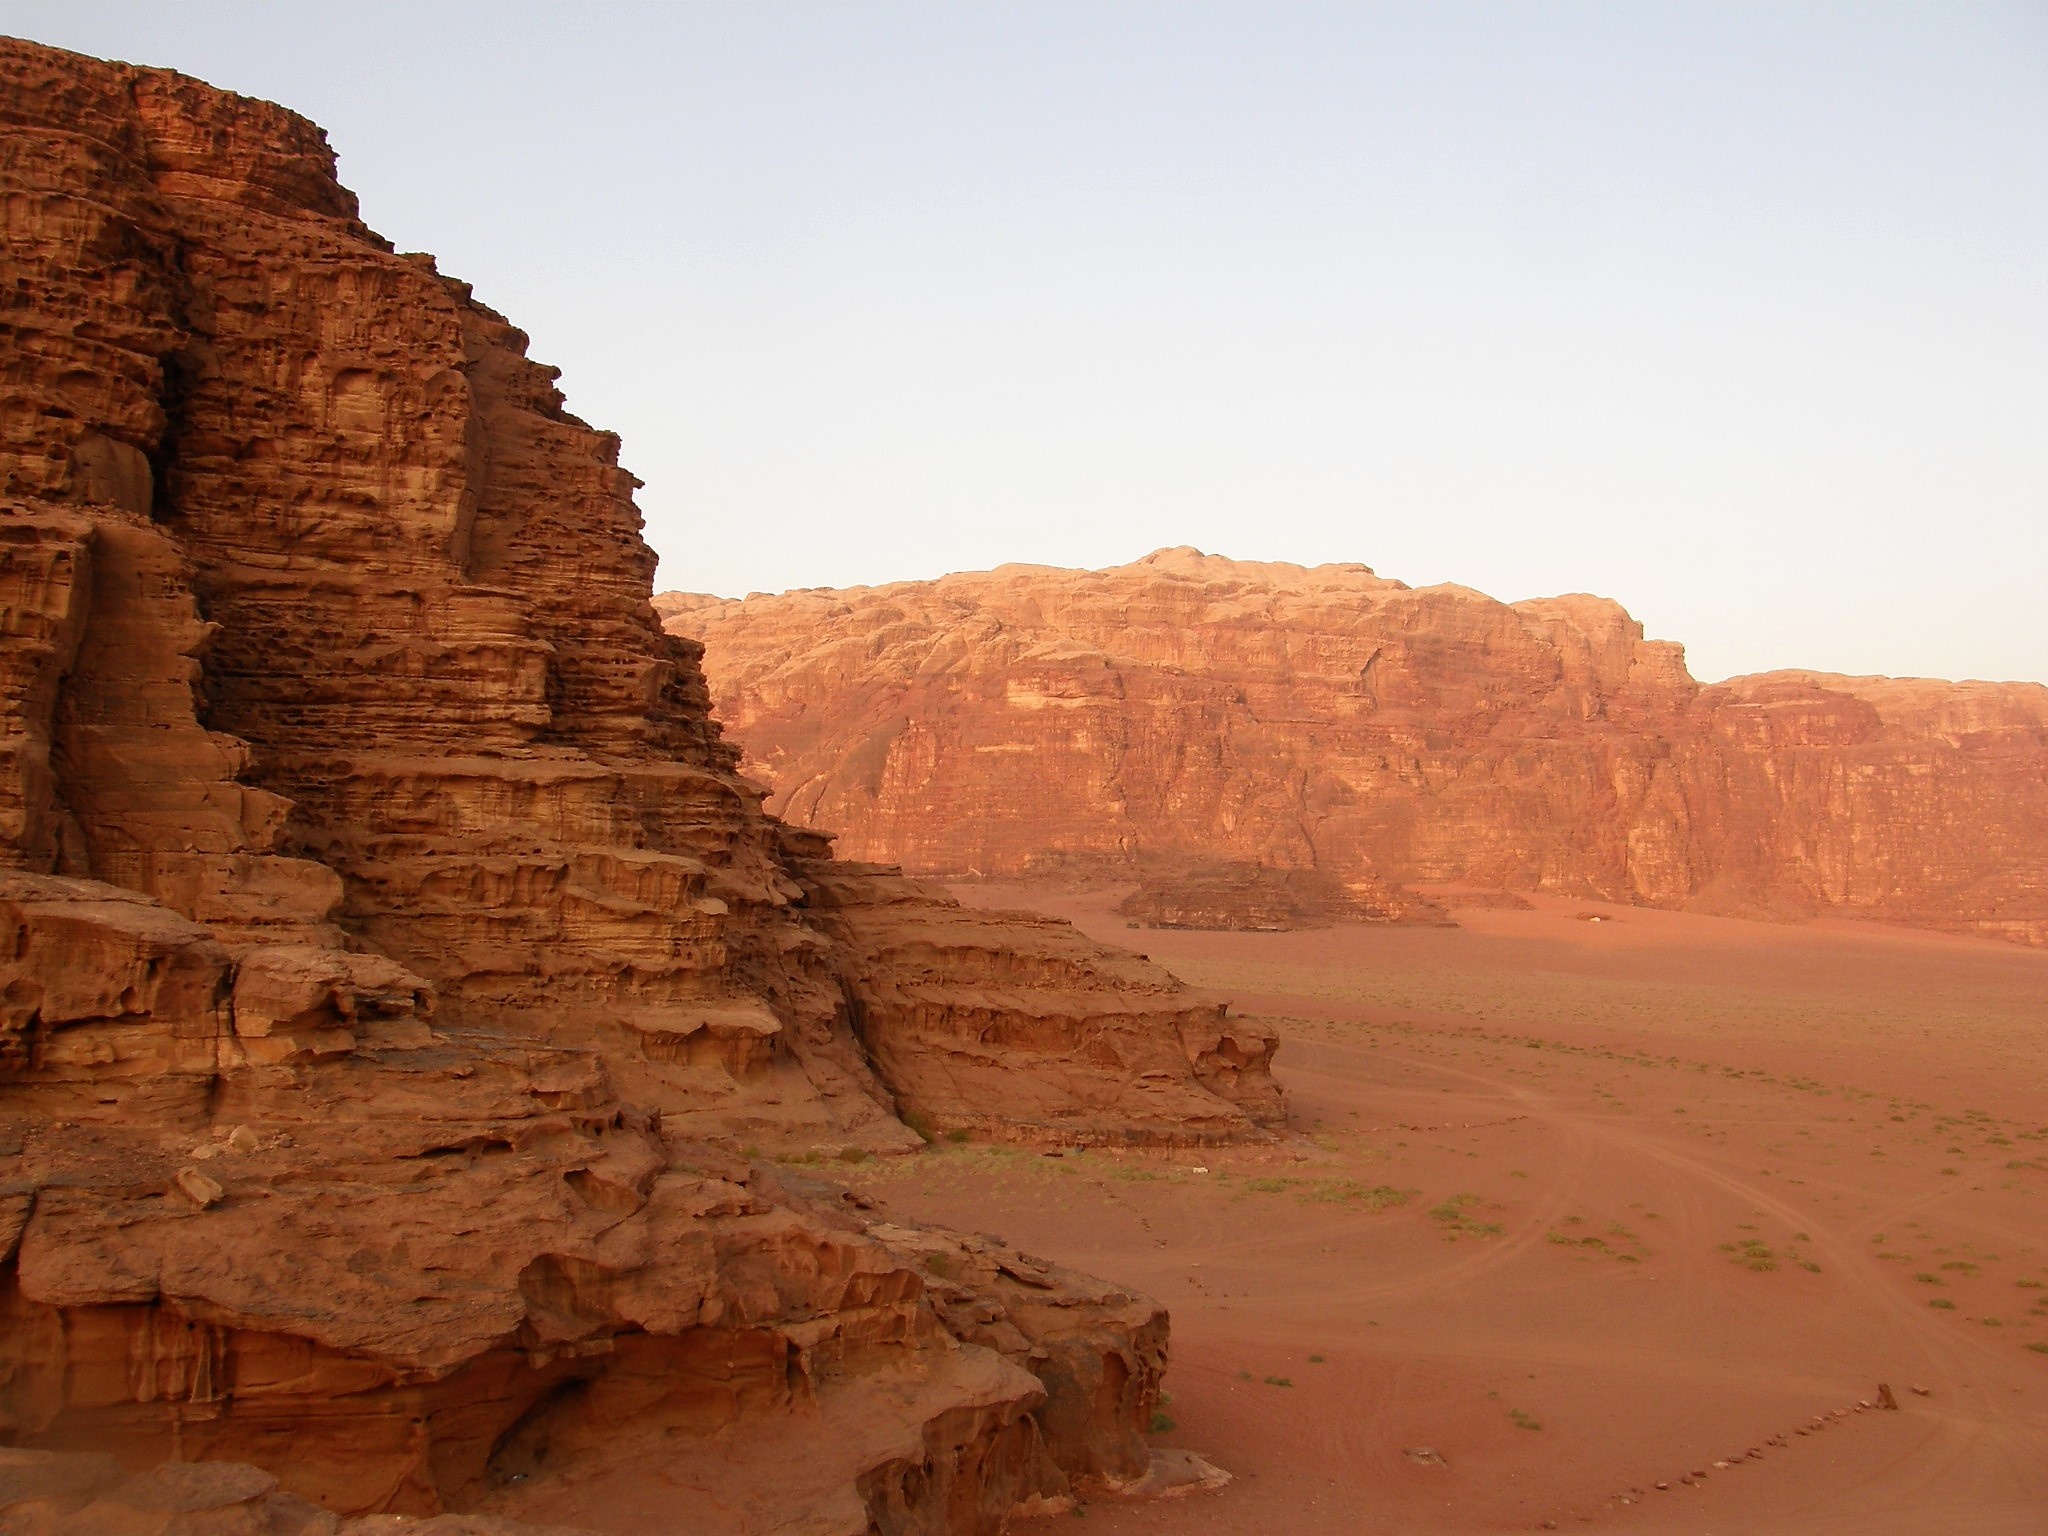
(392, 962)
(1189, 708)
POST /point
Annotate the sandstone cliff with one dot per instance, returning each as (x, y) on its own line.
(395, 973)
(1187, 709)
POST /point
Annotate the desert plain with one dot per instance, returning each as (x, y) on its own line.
(1588, 1217)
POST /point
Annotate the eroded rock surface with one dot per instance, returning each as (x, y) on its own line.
(958, 1000)
(1188, 708)
(397, 979)
(52, 1493)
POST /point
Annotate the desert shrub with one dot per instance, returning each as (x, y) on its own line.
(1455, 1216)
(1373, 1197)
(1752, 1253)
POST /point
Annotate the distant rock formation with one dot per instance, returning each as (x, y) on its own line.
(396, 978)
(1190, 709)
(1260, 898)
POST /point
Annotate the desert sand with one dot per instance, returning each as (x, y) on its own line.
(1597, 1216)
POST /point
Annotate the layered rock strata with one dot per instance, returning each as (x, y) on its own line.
(1188, 709)
(954, 1001)
(396, 975)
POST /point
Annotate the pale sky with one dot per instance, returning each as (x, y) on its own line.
(1735, 313)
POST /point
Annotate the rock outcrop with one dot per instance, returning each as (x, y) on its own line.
(50, 1493)
(1187, 709)
(397, 979)
(1260, 898)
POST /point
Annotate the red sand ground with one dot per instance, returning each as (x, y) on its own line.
(1578, 1209)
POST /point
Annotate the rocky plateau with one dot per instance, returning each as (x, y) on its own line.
(1158, 719)
(402, 990)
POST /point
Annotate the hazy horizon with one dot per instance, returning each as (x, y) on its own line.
(1736, 315)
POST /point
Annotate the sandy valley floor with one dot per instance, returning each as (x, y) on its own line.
(1607, 1224)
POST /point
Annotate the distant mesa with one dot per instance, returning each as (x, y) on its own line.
(1189, 710)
